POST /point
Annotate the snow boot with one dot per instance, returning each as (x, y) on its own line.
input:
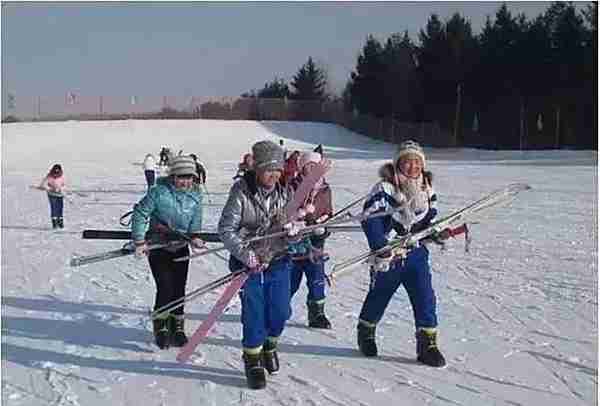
(161, 333)
(59, 222)
(54, 222)
(270, 358)
(366, 338)
(316, 315)
(427, 350)
(176, 330)
(255, 372)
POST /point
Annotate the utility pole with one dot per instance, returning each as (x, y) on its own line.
(557, 140)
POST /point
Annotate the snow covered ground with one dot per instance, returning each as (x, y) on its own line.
(518, 314)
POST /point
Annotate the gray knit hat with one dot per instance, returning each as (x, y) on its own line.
(410, 147)
(182, 165)
(267, 156)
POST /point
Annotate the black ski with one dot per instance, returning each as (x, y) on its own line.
(126, 235)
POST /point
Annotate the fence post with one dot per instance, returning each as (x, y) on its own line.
(557, 140)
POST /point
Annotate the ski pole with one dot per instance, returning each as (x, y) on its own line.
(306, 231)
(127, 249)
(348, 207)
(175, 304)
(207, 194)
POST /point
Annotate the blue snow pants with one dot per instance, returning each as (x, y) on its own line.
(265, 301)
(56, 205)
(315, 278)
(414, 273)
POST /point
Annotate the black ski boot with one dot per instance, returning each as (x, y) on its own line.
(54, 222)
(316, 315)
(270, 358)
(255, 372)
(366, 339)
(176, 330)
(59, 222)
(161, 333)
(427, 350)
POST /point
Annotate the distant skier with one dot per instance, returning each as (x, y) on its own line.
(200, 170)
(150, 170)
(255, 204)
(283, 148)
(171, 205)
(403, 183)
(307, 254)
(246, 165)
(164, 156)
(54, 184)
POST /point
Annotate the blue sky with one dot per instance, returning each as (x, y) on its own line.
(199, 48)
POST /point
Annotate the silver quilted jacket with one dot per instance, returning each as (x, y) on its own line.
(250, 211)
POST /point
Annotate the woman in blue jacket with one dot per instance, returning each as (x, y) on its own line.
(405, 184)
(172, 206)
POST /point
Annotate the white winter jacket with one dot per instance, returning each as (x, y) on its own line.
(149, 164)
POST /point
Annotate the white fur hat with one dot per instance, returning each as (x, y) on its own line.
(410, 147)
(307, 157)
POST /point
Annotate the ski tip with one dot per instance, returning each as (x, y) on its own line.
(182, 358)
(518, 187)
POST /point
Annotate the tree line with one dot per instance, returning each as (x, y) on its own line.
(520, 83)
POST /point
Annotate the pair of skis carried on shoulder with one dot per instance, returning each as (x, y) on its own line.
(335, 223)
(410, 240)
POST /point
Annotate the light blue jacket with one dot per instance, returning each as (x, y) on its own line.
(180, 210)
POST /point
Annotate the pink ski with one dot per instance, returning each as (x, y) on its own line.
(305, 187)
(202, 331)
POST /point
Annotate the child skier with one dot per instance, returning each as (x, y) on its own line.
(256, 205)
(406, 184)
(200, 170)
(150, 170)
(307, 254)
(246, 165)
(171, 205)
(54, 184)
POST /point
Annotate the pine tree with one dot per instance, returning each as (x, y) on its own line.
(367, 83)
(277, 89)
(309, 82)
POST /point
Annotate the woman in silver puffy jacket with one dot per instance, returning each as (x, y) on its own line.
(256, 205)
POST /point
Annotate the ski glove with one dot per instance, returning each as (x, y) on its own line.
(253, 264)
(293, 228)
(321, 230)
(381, 262)
(141, 249)
(197, 244)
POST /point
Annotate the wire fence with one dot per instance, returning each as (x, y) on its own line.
(82, 107)
(76, 107)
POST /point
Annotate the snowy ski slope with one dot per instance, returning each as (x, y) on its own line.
(518, 314)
